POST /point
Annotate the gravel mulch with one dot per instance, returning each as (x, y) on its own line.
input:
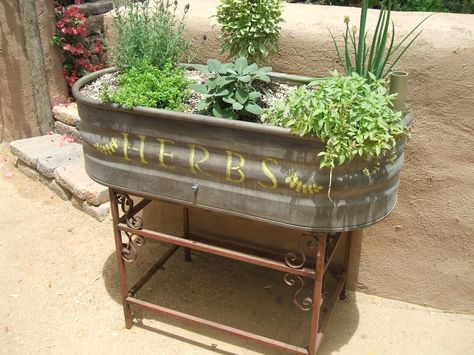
(271, 92)
(94, 88)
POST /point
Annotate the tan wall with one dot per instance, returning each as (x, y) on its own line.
(423, 253)
(58, 89)
(17, 111)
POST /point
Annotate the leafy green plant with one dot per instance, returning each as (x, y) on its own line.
(375, 58)
(350, 114)
(230, 91)
(150, 86)
(149, 30)
(459, 6)
(421, 5)
(250, 28)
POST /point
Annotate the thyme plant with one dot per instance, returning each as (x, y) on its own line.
(250, 28)
(149, 86)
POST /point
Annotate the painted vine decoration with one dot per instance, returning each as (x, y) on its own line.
(108, 148)
(293, 180)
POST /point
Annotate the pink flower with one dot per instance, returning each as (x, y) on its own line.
(98, 47)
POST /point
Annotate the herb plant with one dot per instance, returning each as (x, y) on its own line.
(375, 58)
(149, 86)
(350, 114)
(230, 91)
(149, 30)
(250, 28)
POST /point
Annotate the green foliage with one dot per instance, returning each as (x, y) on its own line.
(461, 6)
(457, 6)
(149, 86)
(250, 28)
(229, 91)
(421, 5)
(350, 114)
(150, 30)
(375, 58)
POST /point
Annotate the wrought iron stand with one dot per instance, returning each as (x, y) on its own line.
(320, 247)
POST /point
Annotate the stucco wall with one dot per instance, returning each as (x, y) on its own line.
(423, 253)
(17, 111)
(58, 89)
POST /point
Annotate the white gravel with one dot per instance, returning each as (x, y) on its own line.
(93, 89)
(271, 92)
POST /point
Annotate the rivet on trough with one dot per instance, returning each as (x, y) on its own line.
(195, 187)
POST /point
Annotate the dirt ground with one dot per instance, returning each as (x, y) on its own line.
(59, 295)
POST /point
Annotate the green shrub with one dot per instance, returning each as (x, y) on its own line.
(149, 86)
(458, 6)
(250, 28)
(351, 115)
(421, 5)
(229, 92)
(148, 32)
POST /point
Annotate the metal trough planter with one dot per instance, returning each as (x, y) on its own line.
(245, 169)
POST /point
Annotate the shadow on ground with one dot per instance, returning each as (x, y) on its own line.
(229, 292)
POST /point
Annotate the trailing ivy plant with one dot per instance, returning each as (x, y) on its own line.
(230, 91)
(353, 116)
(250, 28)
(149, 86)
(149, 30)
(382, 54)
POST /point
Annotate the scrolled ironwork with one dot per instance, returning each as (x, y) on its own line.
(306, 243)
(291, 280)
(130, 248)
(126, 205)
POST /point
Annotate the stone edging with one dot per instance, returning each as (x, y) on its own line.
(66, 121)
(58, 163)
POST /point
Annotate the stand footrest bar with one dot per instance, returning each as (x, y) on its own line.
(152, 271)
(241, 333)
(330, 257)
(332, 302)
(248, 258)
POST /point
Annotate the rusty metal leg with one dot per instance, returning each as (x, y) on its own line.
(187, 251)
(315, 337)
(120, 262)
(345, 266)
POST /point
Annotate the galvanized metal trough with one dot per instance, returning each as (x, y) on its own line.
(241, 168)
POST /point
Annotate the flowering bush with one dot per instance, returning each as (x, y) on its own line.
(71, 36)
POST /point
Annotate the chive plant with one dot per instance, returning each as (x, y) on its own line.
(382, 54)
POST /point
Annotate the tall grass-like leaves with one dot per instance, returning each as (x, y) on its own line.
(150, 30)
(380, 56)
